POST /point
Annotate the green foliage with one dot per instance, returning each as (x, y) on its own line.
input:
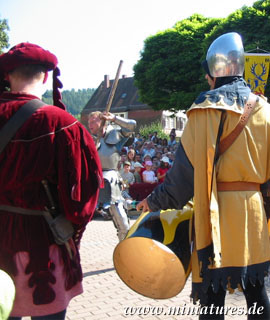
(253, 24)
(47, 97)
(169, 75)
(75, 101)
(77, 116)
(3, 35)
(151, 128)
(170, 66)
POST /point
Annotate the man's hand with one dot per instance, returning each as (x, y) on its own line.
(143, 205)
(108, 116)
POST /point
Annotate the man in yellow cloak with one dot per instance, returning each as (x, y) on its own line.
(231, 241)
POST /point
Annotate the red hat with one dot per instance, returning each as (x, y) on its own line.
(28, 53)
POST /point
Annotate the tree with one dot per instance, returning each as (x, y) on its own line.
(252, 23)
(169, 75)
(74, 100)
(3, 35)
(151, 128)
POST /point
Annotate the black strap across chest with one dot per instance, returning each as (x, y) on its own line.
(17, 120)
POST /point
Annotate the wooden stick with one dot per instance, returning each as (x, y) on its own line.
(109, 101)
(114, 86)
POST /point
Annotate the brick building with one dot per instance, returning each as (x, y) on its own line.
(126, 103)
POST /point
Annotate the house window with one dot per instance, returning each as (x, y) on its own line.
(178, 123)
(182, 123)
(166, 122)
(171, 122)
(121, 114)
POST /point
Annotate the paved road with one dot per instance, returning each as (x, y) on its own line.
(107, 297)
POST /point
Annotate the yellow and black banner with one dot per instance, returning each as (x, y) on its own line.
(256, 71)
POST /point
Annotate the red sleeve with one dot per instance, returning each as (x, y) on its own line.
(79, 174)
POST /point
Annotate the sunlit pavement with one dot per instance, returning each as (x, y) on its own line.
(107, 297)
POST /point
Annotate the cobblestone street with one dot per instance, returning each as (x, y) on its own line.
(107, 297)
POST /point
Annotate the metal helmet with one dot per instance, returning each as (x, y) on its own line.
(225, 56)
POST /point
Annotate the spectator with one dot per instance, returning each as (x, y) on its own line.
(148, 148)
(154, 137)
(165, 150)
(127, 176)
(123, 159)
(148, 174)
(138, 158)
(138, 138)
(160, 141)
(137, 174)
(172, 140)
(137, 146)
(164, 142)
(159, 155)
(156, 163)
(162, 170)
(171, 156)
(173, 132)
(155, 166)
(159, 148)
(147, 157)
(131, 158)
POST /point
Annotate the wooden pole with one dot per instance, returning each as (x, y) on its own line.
(109, 101)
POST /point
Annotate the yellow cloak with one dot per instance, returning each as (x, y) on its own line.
(231, 234)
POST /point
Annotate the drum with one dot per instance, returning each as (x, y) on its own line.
(154, 258)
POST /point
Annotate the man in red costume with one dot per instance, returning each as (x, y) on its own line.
(53, 146)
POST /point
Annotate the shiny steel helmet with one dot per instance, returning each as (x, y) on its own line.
(225, 56)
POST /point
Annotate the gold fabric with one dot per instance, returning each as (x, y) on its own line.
(233, 221)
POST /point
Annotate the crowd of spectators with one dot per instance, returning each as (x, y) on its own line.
(144, 163)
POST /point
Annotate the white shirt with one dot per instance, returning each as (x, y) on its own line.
(149, 176)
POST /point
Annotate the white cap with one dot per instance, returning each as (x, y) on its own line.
(137, 165)
(165, 159)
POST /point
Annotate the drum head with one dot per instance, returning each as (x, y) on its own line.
(149, 267)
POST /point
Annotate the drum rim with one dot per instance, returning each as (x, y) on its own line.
(177, 280)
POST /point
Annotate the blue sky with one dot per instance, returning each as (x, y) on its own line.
(90, 37)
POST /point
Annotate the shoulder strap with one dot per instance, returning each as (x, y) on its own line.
(17, 120)
(220, 130)
(229, 140)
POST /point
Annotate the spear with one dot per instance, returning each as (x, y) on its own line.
(109, 101)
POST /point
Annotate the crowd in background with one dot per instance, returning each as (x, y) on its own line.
(147, 160)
